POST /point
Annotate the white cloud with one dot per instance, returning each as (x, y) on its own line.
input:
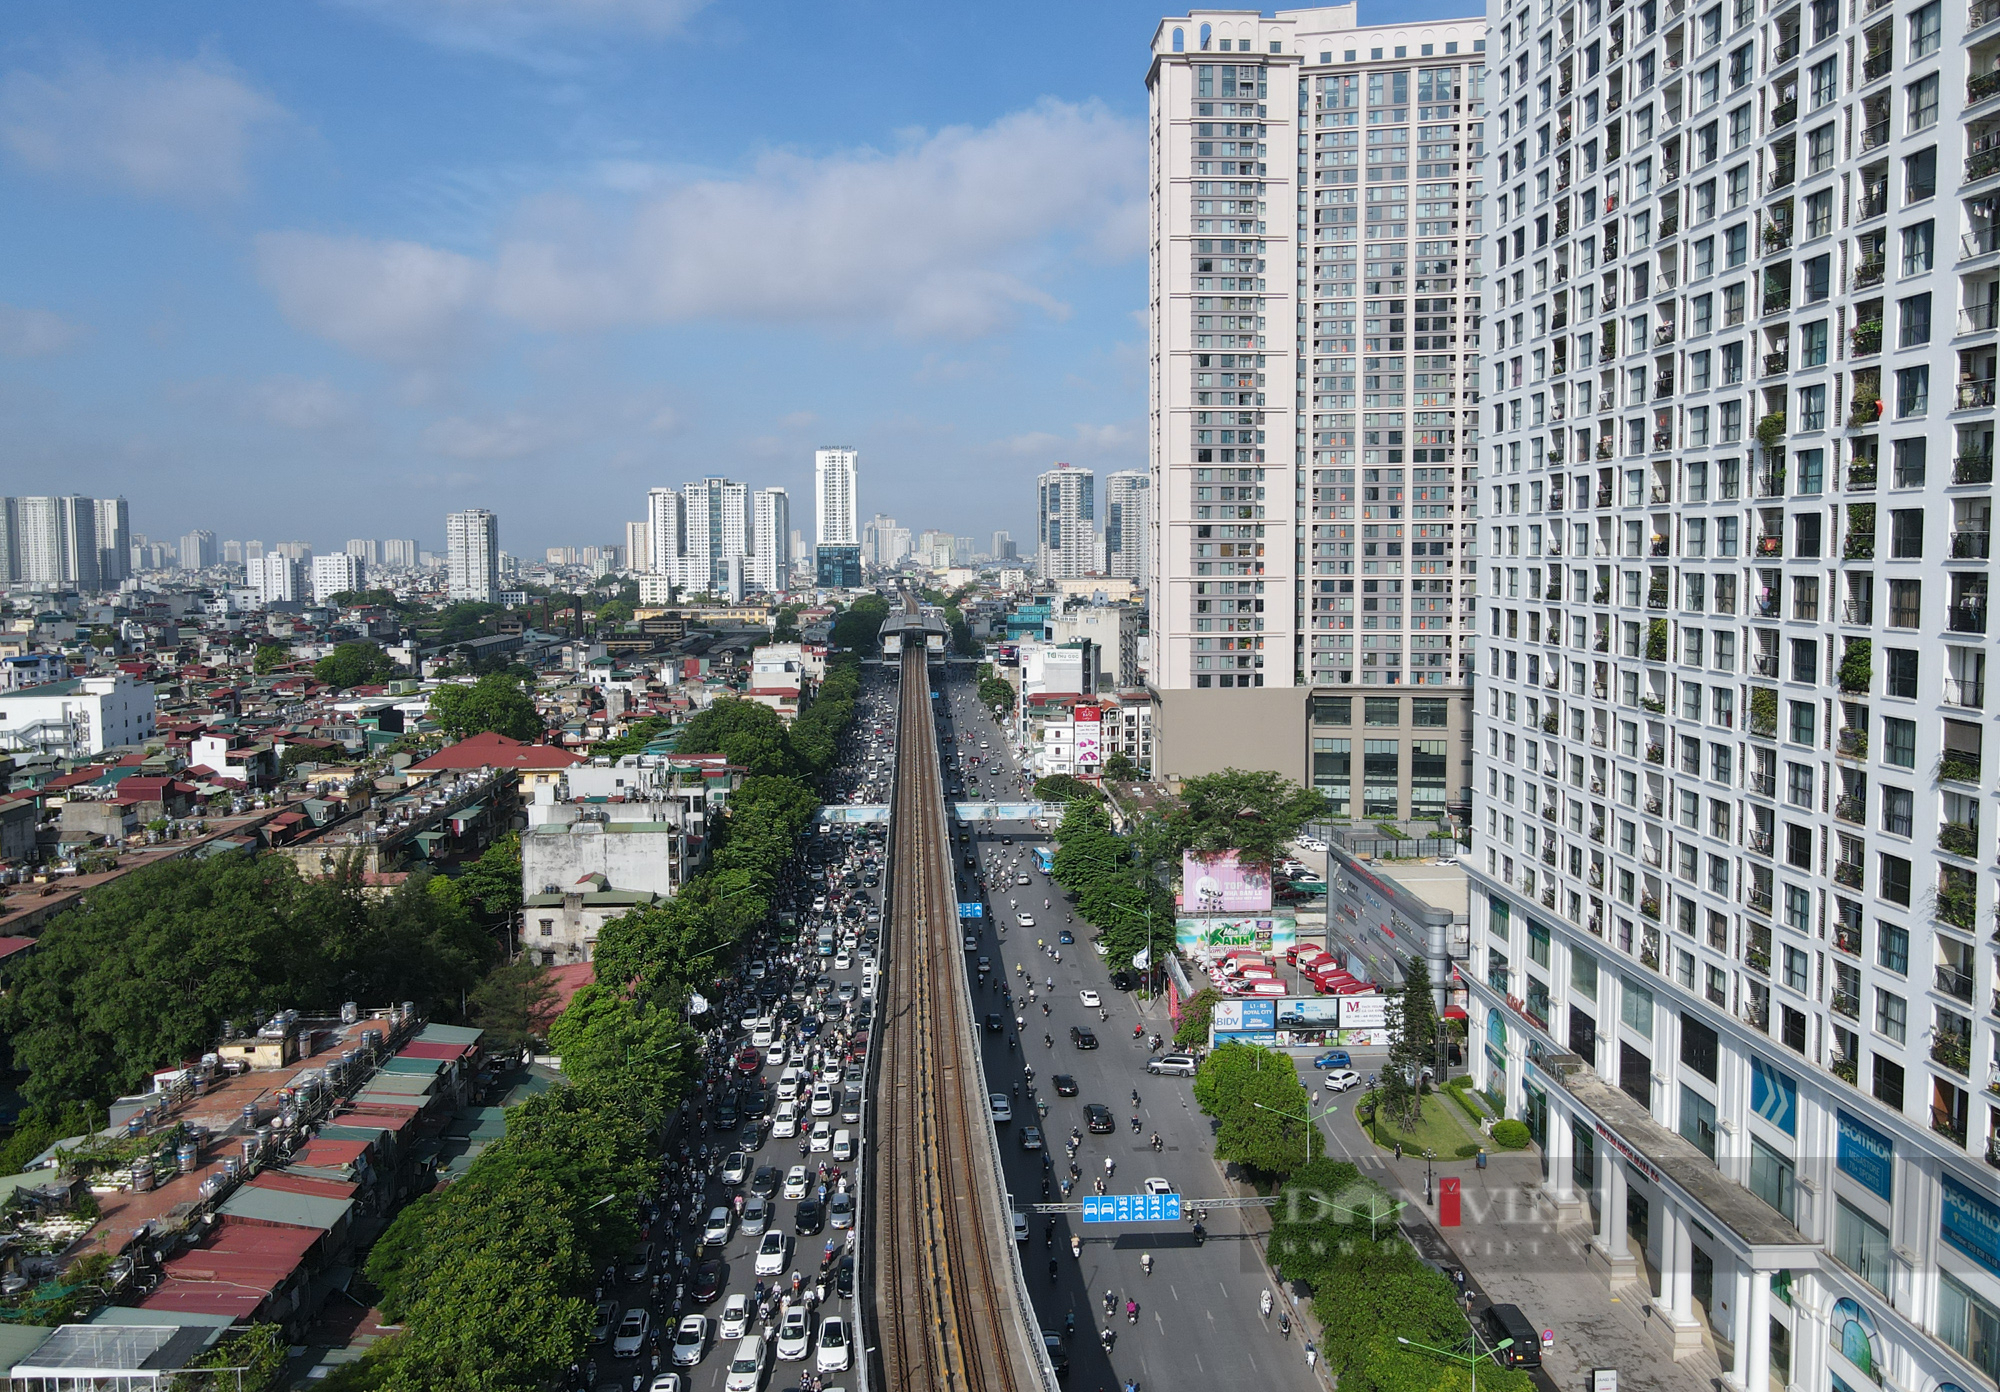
(953, 235)
(527, 31)
(1084, 442)
(299, 403)
(156, 128)
(37, 333)
(504, 437)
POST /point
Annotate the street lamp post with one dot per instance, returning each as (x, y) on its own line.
(1429, 1156)
(1471, 1362)
(1306, 1118)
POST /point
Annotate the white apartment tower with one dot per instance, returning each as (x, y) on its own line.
(198, 550)
(666, 533)
(114, 541)
(342, 572)
(1313, 428)
(279, 579)
(838, 522)
(771, 546)
(472, 555)
(365, 549)
(638, 547)
(1066, 518)
(719, 527)
(58, 540)
(1733, 903)
(1127, 523)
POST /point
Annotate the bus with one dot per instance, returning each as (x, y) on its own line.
(1045, 860)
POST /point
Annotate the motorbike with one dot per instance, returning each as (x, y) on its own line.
(1264, 1304)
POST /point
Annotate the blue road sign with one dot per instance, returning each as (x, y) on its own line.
(972, 911)
(1132, 1208)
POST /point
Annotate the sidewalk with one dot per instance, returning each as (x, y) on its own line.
(1514, 1251)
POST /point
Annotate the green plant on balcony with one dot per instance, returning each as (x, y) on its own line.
(1867, 336)
(1853, 743)
(1610, 349)
(1656, 640)
(1860, 544)
(1656, 753)
(1549, 723)
(1865, 411)
(1777, 235)
(1649, 906)
(1771, 430)
(1654, 705)
(1758, 959)
(1957, 903)
(1960, 839)
(1958, 767)
(1857, 665)
(1763, 711)
(1953, 1050)
(1843, 1068)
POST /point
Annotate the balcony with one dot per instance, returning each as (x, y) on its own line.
(1973, 395)
(1778, 362)
(1764, 664)
(1852, 743)
(1981, 86)
(1953, 982)
(1954, 1051)
(1984, 159)
(1979, 318)
(1874, 135)
(1980, 14)
(1948, 1124)
(1772, 544)
(1858, 546)
(1858, 612)
(1972, 468)
(1846, 1003)
(1662, 336)
(1760, 842)
(1874, 202)
(1850, 809)
(1785, 112)
(1868, 273)
(1958, 766)
(1867, 335)
(1969, 546)
(1877, 65)
(1966, 618)
(1861, 479)
(1960, 839)
(1848, 872)
(1968, 695)
(1759, 901)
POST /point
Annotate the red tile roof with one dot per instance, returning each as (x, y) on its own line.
(496, 751)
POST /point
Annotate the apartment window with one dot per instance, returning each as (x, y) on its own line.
(1894, 880)
(1861, 1245)
(1918, 241)
(1892, 1015)
(1898, 807)
(1819, 149)
(1913, 321)
(1736, 245)
(1906, 604)
(1812, 470)
(1739, 185)
(1913, 390)
(1812, 408)
(1906, 534)
(1383, 710)
(1636, 1007)
(1812, 344)
(1823, 81)
(1892, 948)
(1965, 1321)
(1926, 28)
(1899, 742)
(1333, 710)
(1819, 213)
(1698, 1120)
(1429, 712)
(1803, 712)
(1796, 964)
(1889, 1082)
(1907, 470)
(1920, 176)
(1771, 1177)
(1818, 278)
(1922, 97)
(1900, 678)
(1704, 258)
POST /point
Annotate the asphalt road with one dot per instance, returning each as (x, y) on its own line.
(1198, 1318)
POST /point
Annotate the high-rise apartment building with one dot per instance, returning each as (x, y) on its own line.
(1732, 902)
(837, 494)
(1127, 523)
(719, 527)
(57, 539)
(400, 552)
(638, 547)
(114, 541)
(666, 533)
(472, 555)
(1066, 522)
(339, 573)
(367, 551)
(1314, 405)
(771, 542)
(279, 579)
(198, 551)
(1003, 546)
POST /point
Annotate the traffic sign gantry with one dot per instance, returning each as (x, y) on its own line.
(972, 911)
(1133, 1208)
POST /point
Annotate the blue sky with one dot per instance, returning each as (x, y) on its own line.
(332, 268)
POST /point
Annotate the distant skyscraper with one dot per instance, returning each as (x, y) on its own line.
(666, 533)
(718, 527)
(836, 490)
(801, 558)
(638, 549)
(1066, 534)
(278, 578)
(232, 552)
(1003, 545)
(297, 550)
(58, 541)
(771, 551)
(399, 551)
(472, 555)
(198, 549)
(114, 541)
(364, 550)
(253, 550)
(339, 573)
(10, 539)
(1127, 496)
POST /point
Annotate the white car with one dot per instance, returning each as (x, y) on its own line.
(1003, 1110)
(788, 1085)
(736, 1168)
(715, 1232)
(822, 1100)
(735, 1317)
(1155, 1185)
(796, 1182)
(1341, 1079)
(690, 1341)
(746, 1365)
(1090, 998)
(1020, 1227)
(631, 1335)
(833, 1351)
(821, 1140)
(786, 1122)
(794, 1335)
(771, 1255)
(842, 961)
(1023, 919)
(665, 1382)
(1311, 843)
(760, 1037)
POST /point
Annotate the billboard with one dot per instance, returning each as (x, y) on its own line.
(1089, 736)
(1219, 883)
(1263, 932)
(1364, 1012)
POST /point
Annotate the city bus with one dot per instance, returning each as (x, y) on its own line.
(1045, 860)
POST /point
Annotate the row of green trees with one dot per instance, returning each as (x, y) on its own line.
(1129, 906)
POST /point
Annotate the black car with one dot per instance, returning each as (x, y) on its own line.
(1097, 1119)
(756, 1102)
(708, 1281)
(811, 1216)
(972, 862)
(843, 1277)
(751, 1137)
(1123, 981)
(1082, 1036)
(1065, 1085)
(726, 1114)
(993, 1022)
(766, 1180)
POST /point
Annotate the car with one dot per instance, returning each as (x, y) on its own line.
(843, 1277)
(833, 1352)
(1006, 840)
(1003, 1110)
(1020, 1227)
(1082, 1036)
(1311, 843)
(607, 1316)
(1064, 1085)
(1173, 1065)
(788, 1084)
(690, 1341)
(1031, 1138)
(631, 1335)
(809, 1217)
(762, 1034)
(1155, 1185)
(822, 1100)
(842, 961)
(756, 1215)
(1341, 1079)
(794, 1335)
(1334, 1058)
(751, 1138)
(715, 1232)
(666, 1382)
(735, 1317)
(727, 1118)
(786, 1123)
(1023, 919)
(749, 1061)
(840, 1212)
(994, 1024)
(1123, 981)
(771, 1255)
(1065, 937)
(746, 1365)
(708, 1281)
(638, 1264)
(821, 1139)
(797, 1181)
(766, 1180)
(1023, 879)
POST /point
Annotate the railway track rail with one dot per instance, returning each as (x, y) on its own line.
(948, 1307)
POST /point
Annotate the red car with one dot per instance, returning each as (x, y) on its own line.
(749, 1061)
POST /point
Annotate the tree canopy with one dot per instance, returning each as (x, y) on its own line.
(355, 664)
(269, 657)
(1413, 1026)
(1259, 1106)
(637, 736)
(747, 734)
(1131, 909)
(495, 702)
(859, 625)
(1253, 813)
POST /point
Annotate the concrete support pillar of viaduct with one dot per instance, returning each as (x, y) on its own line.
(1610, 1245)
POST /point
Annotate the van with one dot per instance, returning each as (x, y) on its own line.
(1504, 1322)
(843, 1145)
(826, 942)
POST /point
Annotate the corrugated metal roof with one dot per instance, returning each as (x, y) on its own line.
(450, 1034)
(417, 1067)
(418, 1049)
(276, 1206)
(400, 1085)
(17, 1341)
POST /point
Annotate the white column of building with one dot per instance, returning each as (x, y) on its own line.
(1561, 1150)
(1753, 1354)
(1611, 1241)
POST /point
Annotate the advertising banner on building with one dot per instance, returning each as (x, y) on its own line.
(1206, 936)
(1364, 1012)
(1090, 737)
(1222, 884)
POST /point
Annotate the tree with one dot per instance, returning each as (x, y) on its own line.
(859, 626)
(604, 1037)
(1252, 813)
(355, 664)
(269, 657)
(1192, 1032)
(491, 886)
(1259, 1106)
(1061, 787)
(1413, 1028)
(749, 735)
(637, 736)
(495, 702)
(1119, 768)
(514, 1004)
(996, 691)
